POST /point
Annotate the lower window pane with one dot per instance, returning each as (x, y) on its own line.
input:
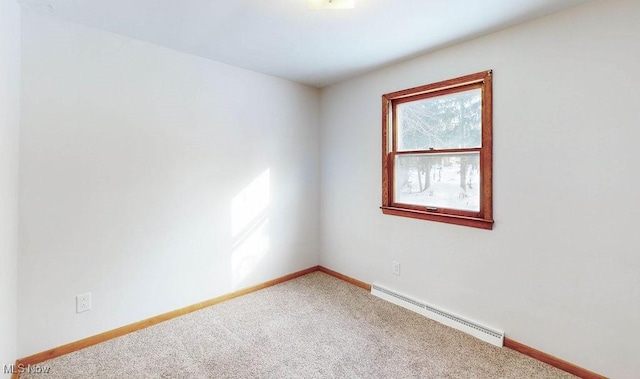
(438, 180)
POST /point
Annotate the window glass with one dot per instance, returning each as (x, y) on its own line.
(438, 180)
(441, 122)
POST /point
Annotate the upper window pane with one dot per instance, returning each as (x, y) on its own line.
(450, 121)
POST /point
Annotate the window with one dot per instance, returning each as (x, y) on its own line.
(436, 152)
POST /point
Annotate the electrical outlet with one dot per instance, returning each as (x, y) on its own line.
(83, 302)
(395, 268)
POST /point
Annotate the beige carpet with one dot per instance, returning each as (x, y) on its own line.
(314, 326)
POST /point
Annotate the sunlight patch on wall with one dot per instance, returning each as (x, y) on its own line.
(250, 227)
(249, 251)
(249, 203)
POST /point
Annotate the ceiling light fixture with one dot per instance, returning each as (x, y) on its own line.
(331, 4)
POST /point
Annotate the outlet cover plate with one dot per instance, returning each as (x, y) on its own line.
(395, 268)
(83, 302)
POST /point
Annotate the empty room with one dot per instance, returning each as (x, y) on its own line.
(319, 188)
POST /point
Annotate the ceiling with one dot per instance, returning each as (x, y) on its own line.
(285, 38)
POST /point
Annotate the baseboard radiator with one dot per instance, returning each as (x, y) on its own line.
(486, 334)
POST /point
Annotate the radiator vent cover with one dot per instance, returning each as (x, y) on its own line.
(482, 332)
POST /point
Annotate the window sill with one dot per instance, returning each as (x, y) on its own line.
(440, 217)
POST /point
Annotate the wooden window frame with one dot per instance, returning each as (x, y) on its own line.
(484, 217)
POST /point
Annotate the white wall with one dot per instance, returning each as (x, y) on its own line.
(9, 131)
(559, 272)
(131, 158)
